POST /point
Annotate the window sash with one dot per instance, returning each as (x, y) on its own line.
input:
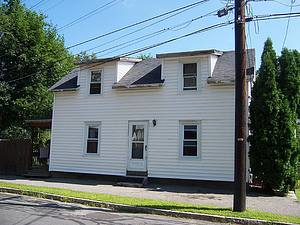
(190, 139)
(92, 139)
(95, 81)
(189, 76)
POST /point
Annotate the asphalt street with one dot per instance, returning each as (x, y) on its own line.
(21, 210)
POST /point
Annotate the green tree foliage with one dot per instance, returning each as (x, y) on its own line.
(274, 150)
(144, 56)
(32, 58)
(84, 56)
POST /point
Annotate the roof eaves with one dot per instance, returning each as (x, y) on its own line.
(64, 89)
(124, 86)
(190, 53)
(211, 80)
(105, 60)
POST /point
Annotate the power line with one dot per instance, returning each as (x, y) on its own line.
(135, 24)
(129, 53)
(53, 6)
(32, 7)
(126, 54)
(145, 37)
(288, 24)
(142, 28)
(282, 3)
(88, 15)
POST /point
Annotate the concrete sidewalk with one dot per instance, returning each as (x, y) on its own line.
(219, 197)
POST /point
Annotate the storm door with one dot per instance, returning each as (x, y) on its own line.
(137, 149)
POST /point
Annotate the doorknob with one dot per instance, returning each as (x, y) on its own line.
(146, 147)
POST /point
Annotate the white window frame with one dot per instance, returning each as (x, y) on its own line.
(181, 75)
(87, 125)
(181, 138)
(90, 82)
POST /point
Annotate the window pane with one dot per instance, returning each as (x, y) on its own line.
(138, 133)
(137, 150)
(93, 132)
(190, 148)
(96, 76)
(190, 68)
(92, 146)
(190, 132)
(190, 83)
(95, 88)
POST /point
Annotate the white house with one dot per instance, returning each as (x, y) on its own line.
(167, 117)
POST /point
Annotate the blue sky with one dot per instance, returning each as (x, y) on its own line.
(121, 13)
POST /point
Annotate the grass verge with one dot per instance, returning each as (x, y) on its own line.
(157, 204)
(297, 192)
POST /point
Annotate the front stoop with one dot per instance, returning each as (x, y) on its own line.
(40, 172)
(133, 181)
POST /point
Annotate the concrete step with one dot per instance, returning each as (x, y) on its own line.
(133, 181)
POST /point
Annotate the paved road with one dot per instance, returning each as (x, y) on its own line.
(21, 210)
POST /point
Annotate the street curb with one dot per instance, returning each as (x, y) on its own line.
(138, 209)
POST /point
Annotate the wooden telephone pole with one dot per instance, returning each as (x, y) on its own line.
(240, 109)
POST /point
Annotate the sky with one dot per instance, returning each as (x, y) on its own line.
(79, 21)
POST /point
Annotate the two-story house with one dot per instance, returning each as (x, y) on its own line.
(167, 117)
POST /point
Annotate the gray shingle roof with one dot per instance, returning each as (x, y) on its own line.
(67, 83)
(224, 71)
(146, 73)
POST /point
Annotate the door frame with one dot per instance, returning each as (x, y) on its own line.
(135, 164)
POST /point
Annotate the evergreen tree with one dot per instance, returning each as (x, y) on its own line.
(273, 151)
(32, 59)
(289, 83)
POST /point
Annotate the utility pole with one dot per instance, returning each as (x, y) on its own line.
(240, 109)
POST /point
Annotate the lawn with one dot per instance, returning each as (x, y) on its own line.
(297, 192)
(176, 206)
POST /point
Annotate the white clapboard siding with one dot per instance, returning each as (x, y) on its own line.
(213, 106)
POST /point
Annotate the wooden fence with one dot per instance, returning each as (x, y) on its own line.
(15, 156)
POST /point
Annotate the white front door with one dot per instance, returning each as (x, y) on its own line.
(137, 149)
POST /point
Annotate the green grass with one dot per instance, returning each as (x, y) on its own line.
(157, 204)
(297, 192)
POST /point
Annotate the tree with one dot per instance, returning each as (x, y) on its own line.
(84, 56)
(32, 58)
(273, 149)
(144, 56)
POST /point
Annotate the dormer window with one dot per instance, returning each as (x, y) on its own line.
(190, 76)
(95, 82)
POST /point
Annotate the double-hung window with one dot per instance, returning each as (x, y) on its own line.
(190, 76)
(92, 142)
(189, 139)
(95, 82)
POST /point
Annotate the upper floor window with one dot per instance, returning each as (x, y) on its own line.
(190, 76)
(96, 82)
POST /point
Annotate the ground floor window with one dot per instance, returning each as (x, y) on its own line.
(189, 139)
(92, 138)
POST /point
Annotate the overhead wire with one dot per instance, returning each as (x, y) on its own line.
(35, 5)
(53, 6)
(261, 17)
(145, 37)
(135, 24)
(132, 52)
(126, 54)
(88, 15)
(288, 24)
(182, 8)
(143, 28)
